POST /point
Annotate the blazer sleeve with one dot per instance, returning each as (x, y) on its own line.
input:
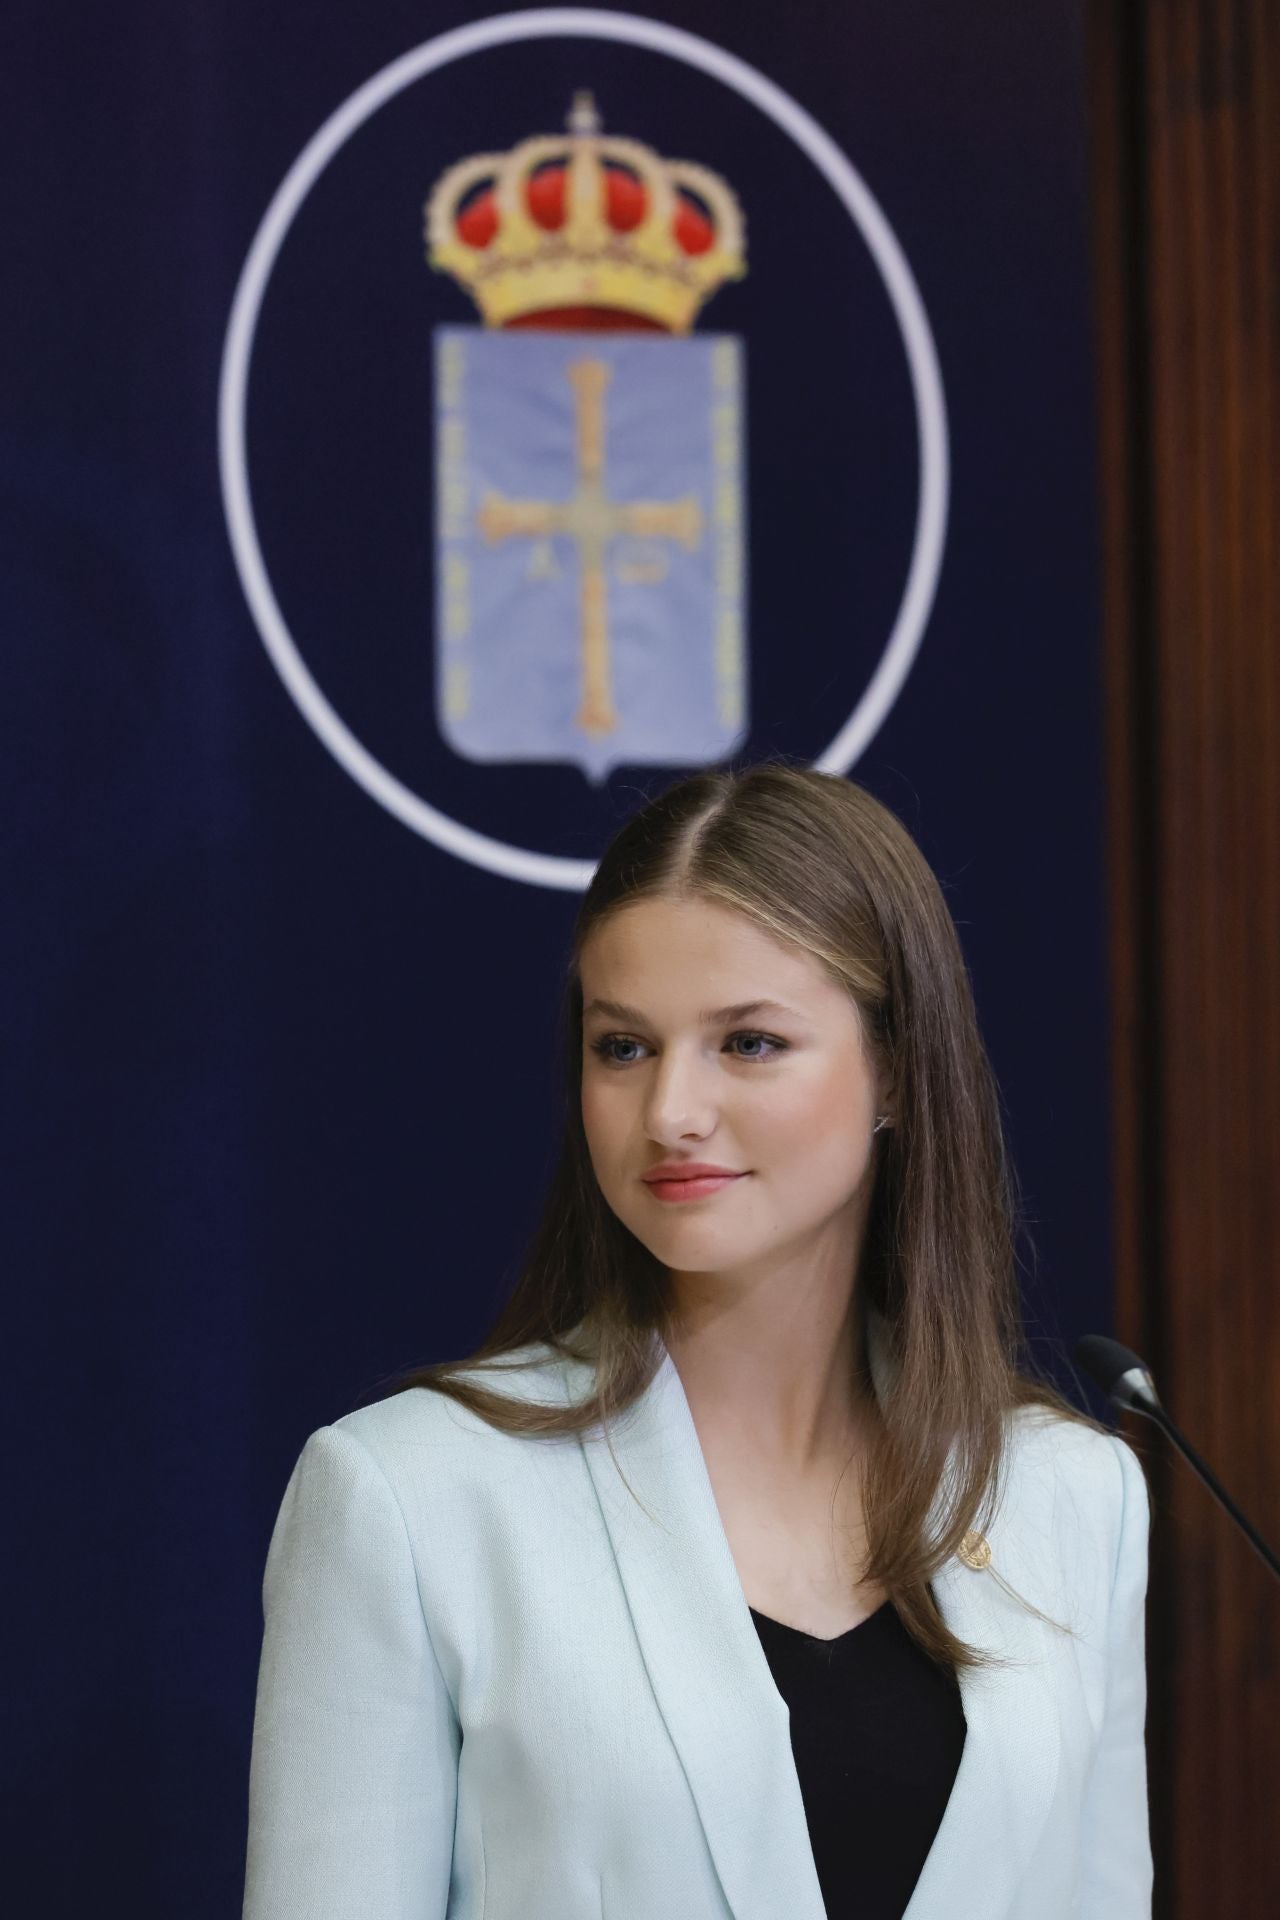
(354, 1765)
(1116, 1864)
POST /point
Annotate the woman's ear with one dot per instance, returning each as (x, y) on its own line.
(886, 1106)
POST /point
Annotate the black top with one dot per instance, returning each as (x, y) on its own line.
(877, 1730)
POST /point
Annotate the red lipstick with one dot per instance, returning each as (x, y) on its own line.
(688, 1179)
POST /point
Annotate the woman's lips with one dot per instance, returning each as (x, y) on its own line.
(698, 1189)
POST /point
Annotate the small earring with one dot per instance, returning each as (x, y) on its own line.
(882, 1121)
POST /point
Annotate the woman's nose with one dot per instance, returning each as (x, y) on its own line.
(679, 1099)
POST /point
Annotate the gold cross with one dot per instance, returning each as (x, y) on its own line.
(591, 519)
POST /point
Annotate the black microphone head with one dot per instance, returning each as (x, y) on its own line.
(1120, 1373)
(1103, 1359)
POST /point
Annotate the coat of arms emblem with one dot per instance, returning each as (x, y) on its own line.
(590, 553)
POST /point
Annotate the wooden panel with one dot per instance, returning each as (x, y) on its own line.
(1184, 102)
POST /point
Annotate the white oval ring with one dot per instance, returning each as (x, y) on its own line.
(521, 863)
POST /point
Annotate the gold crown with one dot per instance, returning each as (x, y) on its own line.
(574, 224)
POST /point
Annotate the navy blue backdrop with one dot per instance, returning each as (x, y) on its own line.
(260, 1033)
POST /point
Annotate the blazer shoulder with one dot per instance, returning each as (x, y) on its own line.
(1082, 1489)
(405, 1427)
(1048, 1447)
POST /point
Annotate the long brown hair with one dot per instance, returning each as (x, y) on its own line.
(818, 863)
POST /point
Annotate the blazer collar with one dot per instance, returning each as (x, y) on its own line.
(731, 1726)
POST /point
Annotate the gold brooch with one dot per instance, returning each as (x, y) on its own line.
(974, 1551)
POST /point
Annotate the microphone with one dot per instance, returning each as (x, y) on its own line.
(1126, 1380)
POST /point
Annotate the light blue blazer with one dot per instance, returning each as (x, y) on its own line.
(493, 1687)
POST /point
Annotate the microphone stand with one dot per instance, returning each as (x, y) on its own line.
(1214, 1485)
(1126, 1380)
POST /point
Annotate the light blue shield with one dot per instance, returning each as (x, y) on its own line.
(590, 548)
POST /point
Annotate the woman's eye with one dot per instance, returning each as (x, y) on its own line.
(607, 1042)
(605, 1046)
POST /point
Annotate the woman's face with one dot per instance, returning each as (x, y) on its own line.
(783, 1096)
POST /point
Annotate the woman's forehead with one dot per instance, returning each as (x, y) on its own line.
(660, 931)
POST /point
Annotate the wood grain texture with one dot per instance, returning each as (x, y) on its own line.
(1184, 97)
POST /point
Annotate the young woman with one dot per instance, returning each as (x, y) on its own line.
(746, 1570)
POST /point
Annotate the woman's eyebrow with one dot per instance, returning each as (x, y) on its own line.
(715, 1016)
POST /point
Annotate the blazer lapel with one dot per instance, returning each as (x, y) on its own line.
(727, 1720)
(731, 1726)
(1008, 1769)
(1009, 1766)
